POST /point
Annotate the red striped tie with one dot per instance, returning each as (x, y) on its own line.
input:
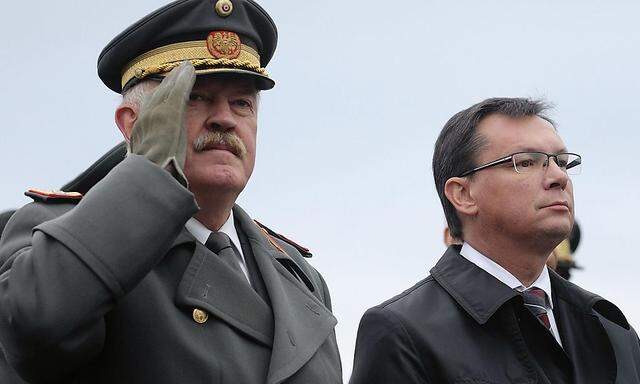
(536, 301)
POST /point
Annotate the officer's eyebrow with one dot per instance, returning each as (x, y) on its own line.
(248, 89)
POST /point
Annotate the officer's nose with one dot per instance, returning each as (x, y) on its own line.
(220, 116)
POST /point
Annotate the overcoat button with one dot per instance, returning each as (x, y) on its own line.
(200, 316)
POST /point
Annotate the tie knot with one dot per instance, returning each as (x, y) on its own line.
(535, 296)
(218, 241)
(535, 299)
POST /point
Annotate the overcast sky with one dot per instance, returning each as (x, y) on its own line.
(346, 137)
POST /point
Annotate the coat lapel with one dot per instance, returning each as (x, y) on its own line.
(209, 284)
(475, 290)
(301, 322)
(581, 331)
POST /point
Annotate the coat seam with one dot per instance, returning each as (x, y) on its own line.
(397, 320)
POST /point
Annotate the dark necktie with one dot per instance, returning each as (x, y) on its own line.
(220, 244)
(536, 301)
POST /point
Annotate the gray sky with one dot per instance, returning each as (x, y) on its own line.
(346, 137)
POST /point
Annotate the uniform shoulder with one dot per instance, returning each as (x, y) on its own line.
(18, 231)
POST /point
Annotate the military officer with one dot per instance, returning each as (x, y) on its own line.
(155, 275)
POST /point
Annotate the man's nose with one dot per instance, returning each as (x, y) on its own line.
(555, 177)
(220, 116)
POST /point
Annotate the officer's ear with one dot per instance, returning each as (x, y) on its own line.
(125, 116)
(457, 191)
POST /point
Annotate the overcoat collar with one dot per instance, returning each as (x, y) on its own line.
(578, 306)
(295, 325)
(585, 301)
(301, 322)
(479, 293)
(211, 285)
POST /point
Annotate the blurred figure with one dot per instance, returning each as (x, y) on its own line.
(561, 259)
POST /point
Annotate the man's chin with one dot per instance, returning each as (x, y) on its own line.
(557, 232)
(217, 179)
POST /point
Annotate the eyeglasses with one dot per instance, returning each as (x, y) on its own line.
(528, 162)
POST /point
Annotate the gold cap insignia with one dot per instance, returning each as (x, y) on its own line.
(224, 44)
(200, 316)
(224, 8)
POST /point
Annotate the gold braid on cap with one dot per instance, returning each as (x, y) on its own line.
(164, 59)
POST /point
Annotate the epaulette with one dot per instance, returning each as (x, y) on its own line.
(53, 196)
(270, 233)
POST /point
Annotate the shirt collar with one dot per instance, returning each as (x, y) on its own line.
(201, 233)
(496, 270)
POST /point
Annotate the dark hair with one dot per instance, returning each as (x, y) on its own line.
(458, 144)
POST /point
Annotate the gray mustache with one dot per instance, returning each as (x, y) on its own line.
(210, 139)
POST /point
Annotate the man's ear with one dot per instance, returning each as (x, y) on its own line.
(457, 191)
(125, 116)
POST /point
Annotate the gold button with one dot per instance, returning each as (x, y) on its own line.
(224, 8)
(200, 316)
(139, 73)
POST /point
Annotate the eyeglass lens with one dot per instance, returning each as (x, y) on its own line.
(530, 161)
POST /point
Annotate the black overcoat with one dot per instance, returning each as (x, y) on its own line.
(461, 325)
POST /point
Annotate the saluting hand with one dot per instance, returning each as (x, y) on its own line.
(159, 133)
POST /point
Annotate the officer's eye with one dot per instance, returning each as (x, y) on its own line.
(194, 96)
(243, 104)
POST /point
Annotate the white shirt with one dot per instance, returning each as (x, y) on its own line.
(494, 269)
(201, 233)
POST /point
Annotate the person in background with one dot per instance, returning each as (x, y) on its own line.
(562, 259)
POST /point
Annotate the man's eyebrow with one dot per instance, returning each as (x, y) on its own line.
(531, 149)
(248, 90)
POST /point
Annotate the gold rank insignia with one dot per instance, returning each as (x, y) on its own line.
(224, 44)
(271, 236)
(53, 196)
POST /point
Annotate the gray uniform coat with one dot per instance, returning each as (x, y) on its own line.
(104, 292)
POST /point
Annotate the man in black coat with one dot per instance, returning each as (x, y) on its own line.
(491, 311)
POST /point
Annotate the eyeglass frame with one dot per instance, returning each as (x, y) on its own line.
(508, 158)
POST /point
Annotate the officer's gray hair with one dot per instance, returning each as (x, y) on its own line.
(135, 95)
